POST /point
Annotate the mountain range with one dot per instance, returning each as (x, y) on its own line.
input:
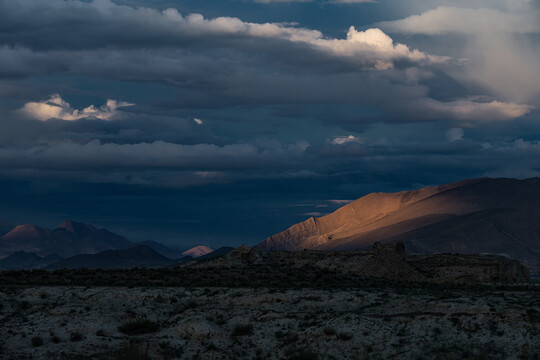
(73, 245)
(68, 239)
(472, 216)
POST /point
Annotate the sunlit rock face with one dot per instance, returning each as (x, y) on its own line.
(500, 216)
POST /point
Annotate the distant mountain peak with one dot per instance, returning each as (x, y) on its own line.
(75, 226)
(198, 251)
(68, 239)
(26, 229)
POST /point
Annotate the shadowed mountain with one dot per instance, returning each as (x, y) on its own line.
(198, 251)
(134, 256)
(472, 216)
(162, 249)
(24, 260)
(68, 239)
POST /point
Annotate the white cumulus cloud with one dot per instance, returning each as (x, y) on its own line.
(57, 108)
(340, 140)
(469, 109)
(375, 49)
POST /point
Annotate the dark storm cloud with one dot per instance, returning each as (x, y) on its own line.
(225, 61)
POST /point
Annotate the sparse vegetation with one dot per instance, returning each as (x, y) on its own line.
(132, 351)
(304, 354)
(138, 327)
(76, 336)
(304, 324)
(242, 330)
(55, 339)
(37, 341)
(329, 331)
(344, 336)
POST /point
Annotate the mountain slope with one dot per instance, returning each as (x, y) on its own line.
(479, 215)
(24, 260)
(162, 249)
(68, 239)
(134, 256)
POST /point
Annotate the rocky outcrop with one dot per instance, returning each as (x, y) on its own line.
(384, 261)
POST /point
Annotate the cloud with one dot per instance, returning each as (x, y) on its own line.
(375, 50)
(329, 1)
(340, 140)
(467, 109)
(110, 24)
(96, 155)
(500, 49)
(57, 108)
(454, 134)
(314, 214)
(465, 21)
(280, 1)
(340, 202)
(351, 1)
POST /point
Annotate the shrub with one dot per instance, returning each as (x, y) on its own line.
(138, 327)
(75, 336)
(329, 331)
(304, 355)
(242, 330)
(344, 336)
(24, 305)
(131, 351)
(37, 341)
(55, 339)
(534, 315)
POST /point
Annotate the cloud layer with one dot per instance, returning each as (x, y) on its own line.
(56, 108)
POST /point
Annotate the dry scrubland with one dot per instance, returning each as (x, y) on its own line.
(61, 322)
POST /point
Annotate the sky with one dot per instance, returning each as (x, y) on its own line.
(222, 122)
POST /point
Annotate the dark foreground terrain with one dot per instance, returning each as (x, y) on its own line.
(72, 322)
(246, 304)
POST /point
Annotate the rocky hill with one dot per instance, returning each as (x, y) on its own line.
(134, 256)
(500, 216)
(383, 261)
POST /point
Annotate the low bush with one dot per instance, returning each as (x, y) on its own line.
(75, 336)
(242, 330)
(132, 351)
(138, 327)
(344, 336)
(37, 341)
